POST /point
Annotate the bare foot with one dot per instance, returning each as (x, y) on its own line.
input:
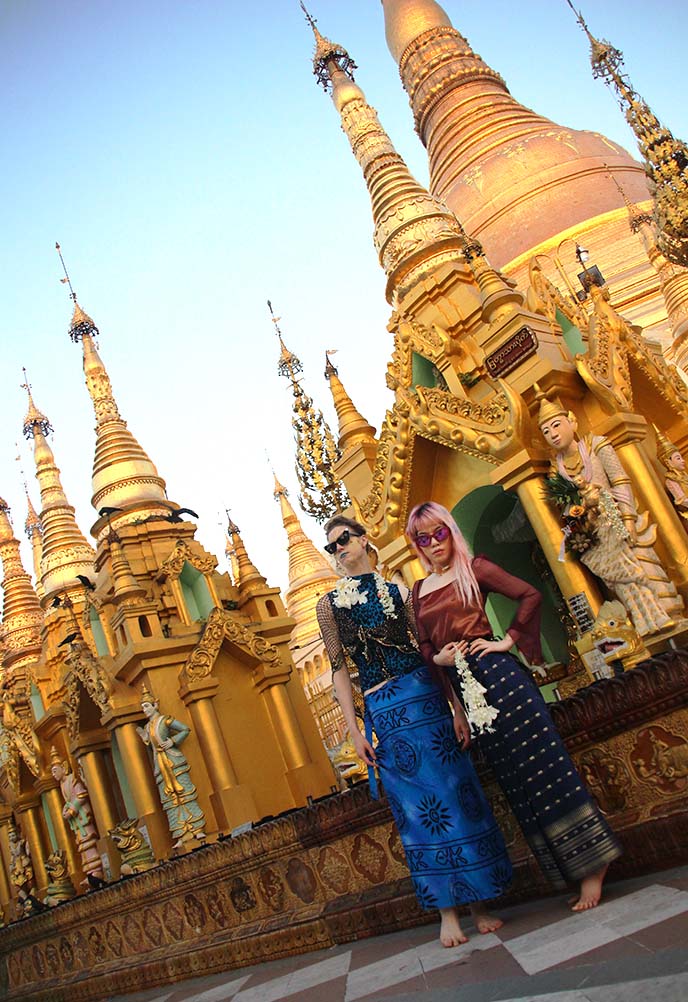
(483, 920)
(590, 891)
(451, 933)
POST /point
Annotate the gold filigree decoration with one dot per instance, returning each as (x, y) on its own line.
(220, 626)
(545, 298)
(182, 554)
(70, 704)
(89, 671)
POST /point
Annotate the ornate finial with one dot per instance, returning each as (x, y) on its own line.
(666, 158)
(330, 367)
(665, 447)
(34, 418)
(4, 506)
(81, 323)
(636, 218)
(322, 493)
(146, 695)
(289, 365)
(232, 527)
(326, 53)
(550, 409)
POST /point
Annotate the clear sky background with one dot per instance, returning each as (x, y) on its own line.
(190, 167)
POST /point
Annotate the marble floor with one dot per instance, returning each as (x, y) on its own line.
(633, 948)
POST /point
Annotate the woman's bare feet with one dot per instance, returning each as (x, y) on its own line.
(451, 933)
(590, 891)
(483, 920)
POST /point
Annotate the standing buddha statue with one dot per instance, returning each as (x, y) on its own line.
(622, 553)
(177, 793)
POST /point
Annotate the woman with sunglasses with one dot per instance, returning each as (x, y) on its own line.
(565, 831)
(454, 849)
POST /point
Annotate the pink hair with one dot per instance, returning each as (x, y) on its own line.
(431, 513)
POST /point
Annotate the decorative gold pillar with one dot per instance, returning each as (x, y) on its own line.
(139, 772)
(65, 840)
(286, 726)
(29, 815)
(525, 475)
(5, 882)
(99, 793)
(626, 432)
(232, 802)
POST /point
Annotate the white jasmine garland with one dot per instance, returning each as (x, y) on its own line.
(479, 713)
(348, 593)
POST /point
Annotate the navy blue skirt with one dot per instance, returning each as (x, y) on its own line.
(563, 827)
(454, 849)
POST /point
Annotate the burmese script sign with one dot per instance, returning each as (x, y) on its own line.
(519, 347)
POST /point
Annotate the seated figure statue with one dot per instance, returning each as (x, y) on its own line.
(623, 554)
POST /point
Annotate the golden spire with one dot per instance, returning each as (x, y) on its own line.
(666, 158)
(310, 575)
(123, 474)
(22, 617)
(322, 493)
(231, 555)
(673, 279)
(125, 585)
(414, 231)
(65, 552)
(34, 533)
(515, 178)
(248, 577)
(353, 427)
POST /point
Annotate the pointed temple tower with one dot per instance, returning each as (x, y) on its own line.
(522, 184)
(310, 577)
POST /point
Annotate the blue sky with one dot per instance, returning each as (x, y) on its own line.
(190, 167)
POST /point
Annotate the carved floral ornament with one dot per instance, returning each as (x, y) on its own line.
(84, 666)
(183, 554)
(221, 626)
(485, 430)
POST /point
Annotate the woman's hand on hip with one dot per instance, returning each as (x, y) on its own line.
(447, 656)
(363, 747)
(481, 646)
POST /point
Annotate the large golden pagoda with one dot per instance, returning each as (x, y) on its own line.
(521, 184)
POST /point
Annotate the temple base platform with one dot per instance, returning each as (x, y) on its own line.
(335, 872)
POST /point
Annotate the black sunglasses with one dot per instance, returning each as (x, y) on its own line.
(342, 541)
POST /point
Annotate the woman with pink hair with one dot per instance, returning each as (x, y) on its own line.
(565, 831)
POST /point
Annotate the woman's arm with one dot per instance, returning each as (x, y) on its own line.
(341, 679)
(524, 630)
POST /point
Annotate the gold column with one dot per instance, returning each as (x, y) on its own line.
(652, 496)
(143, 788)
(525, 475)
(5, 883)
(232, 803)
(32, 827)
(286, 726)
(65, 840)
(98, 786)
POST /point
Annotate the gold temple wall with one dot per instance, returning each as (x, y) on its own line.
(335, 871)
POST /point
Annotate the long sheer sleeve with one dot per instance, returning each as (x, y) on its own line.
(525, 626)
(330, 634)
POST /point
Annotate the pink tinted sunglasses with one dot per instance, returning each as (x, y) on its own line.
(442, 532)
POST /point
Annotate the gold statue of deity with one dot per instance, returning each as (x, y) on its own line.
(78, 814)
(617, 542)
(675, 475)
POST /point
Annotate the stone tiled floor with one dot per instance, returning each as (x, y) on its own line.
(633, 948)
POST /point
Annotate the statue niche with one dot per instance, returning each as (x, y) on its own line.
(602, 526)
